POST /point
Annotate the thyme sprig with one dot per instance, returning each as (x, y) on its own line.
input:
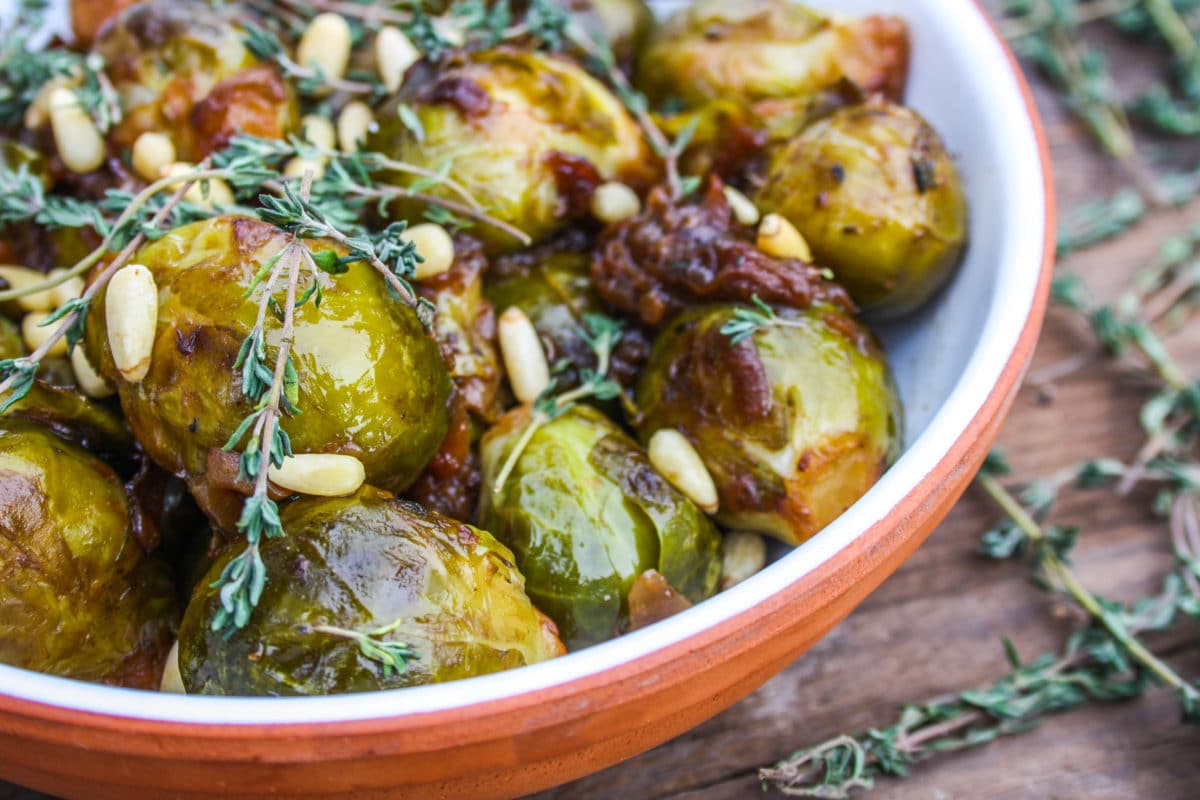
(747, 322)
(309, 79)
(392, 657)
(602, 335)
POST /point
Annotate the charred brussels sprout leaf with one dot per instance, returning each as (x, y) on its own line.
(586, 515)
(373, 383)
(367, 593)
(752, 50)
(878, 198)
(530, 135)
(80, 599)
(795, 421)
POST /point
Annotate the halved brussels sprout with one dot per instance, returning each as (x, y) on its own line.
(586, 515)
(78, 597)
(361, 572)
(795, 422)
(752, 50)
(181, 67)
(526, 133)
(373, 383)
(878, 198)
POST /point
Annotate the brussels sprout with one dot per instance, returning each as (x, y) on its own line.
(794, 422)
(752, 50)
(79, 599)
(359, 567)
(373, 384)
(181, 67)
(527, 133)
(93, 426)
(878, 198)
(586, 515)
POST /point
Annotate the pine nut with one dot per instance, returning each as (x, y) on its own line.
(296, 167)
(90, 381)
(524, 357)
(320, 474)
(325, 45)
(152, 153)
(673, 455)
(779, 238)
(745, 554)
(131, 311)
(434, 245)
(76, 136)
(615, 202)
(20, 278)
(70, 289)
(394, 54)
(35, 335)
(37, 114)
(172, 678)
(318, 131)
(208, 193)
(354, 124)
(744, 211)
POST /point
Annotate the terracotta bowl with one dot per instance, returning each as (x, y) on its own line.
(959, 365)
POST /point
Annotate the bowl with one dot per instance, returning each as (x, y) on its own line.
(959, 365)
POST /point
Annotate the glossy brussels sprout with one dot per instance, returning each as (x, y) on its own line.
(78, 597)
(373, 383)
(586, 515)
(878, 198)
(362, 566)
(181, 67)
(529, 134)
(794, 422)
(752, 50)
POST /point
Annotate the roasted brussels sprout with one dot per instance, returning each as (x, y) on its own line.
(181, 67)
(359, 567)
(752, 50)
(794, 422)
(878, 198)
(586, 515)
(373, 384)
(80, 599)
(527, 133)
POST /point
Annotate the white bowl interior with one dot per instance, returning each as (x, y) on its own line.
(947, 359)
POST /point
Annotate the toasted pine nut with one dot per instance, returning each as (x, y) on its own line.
(745, 554)
(434, 245)
(37, 114)
(19, 278)
(320, 474)
(79, 142)
(218, 192)
(326, 45)
(296, 167)
(675, 457)
(131, 313)
(744, 211)
(354, 124)
(70, 289)
(152, 153)
(172, 678)
(35, 335)
(524, 357)
(318, 131)
(90, 381)
(615, 202)
(779, 238)
(394, 54)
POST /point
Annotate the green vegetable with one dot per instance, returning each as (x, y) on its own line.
(367, 593)
(878, 198)
(795, 417)
(586, 514)
(80, 599)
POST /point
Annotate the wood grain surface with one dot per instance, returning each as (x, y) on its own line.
(936, 626)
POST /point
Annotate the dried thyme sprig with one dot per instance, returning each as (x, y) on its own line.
(392, 657)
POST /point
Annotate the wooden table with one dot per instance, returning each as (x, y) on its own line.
(936, 626)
